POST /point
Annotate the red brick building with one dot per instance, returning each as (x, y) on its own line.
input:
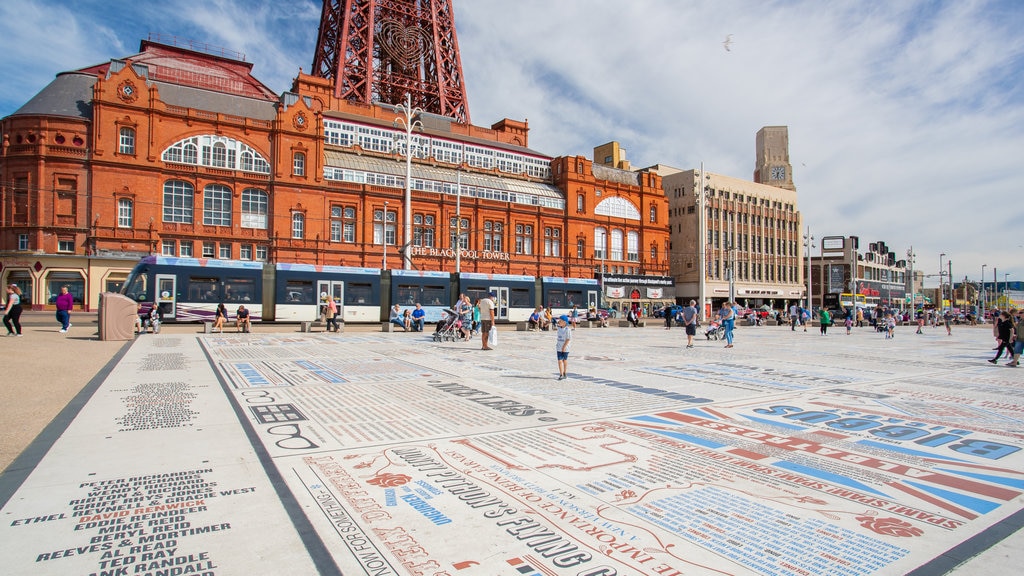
(179, 152)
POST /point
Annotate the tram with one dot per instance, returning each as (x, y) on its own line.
(189, 290)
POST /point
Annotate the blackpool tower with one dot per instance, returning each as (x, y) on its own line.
(381, 50)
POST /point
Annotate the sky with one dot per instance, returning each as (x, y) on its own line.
(906, 119)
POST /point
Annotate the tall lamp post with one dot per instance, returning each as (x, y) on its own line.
(604, 245)
(942, 286)
(1006, 290)
(409, 121)
(981, 295)
(949, 276)
(700, 199)
(384, 236)
(808, 244)
(910, 279)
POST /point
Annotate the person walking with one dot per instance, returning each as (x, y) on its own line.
(689, 315)
(728, 318)
(1018, 333)
(65, 303)
(824, 321)
(563, 338)
(487, 320)
(12, 313)
(794, 317)
(1005, 329)
(947, 320)
(332, 314)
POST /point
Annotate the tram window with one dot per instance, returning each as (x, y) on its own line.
(137, 289)
(556, 299)
(432, 296)
(519, 298)
(239, 290)
(298, 291)
(574, 298)
(406, 295)
(359, 294)
(203, 289)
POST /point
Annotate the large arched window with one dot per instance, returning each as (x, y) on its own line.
(216, 152)
(616, 250)
(600, 243)
(254, 209)
(217, 205)
(178, 201)
(618, 207)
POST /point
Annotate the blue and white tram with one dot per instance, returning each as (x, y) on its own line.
(515, 295)
(189, 289)
(301, 292)
(431, 289)
(561, 294)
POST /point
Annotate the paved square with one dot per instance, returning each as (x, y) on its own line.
(365, 453)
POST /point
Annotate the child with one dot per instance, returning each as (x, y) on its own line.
(562, 341)
(849, 324)
(890, 326)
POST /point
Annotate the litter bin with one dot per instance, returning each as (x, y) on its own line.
(116, 318)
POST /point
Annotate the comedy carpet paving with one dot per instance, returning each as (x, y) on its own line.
(391, 454)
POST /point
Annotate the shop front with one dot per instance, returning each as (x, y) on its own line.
(645, 293)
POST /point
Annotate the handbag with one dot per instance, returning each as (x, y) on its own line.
(492, 336)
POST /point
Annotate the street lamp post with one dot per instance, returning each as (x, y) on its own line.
(949, 276)
(808, 245)
(384, 236)
(604, 244)
(409, 122)
(981, 295)
(458, 221)
(1006, 290)
(910, 278)
(942, 286)
(700, 198)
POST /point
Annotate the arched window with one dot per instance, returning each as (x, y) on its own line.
(126, 144)
(216, 152)
(217, 205)
(298, 225)
(633, 246)
(600, 243)
(178, 201)
(616, 250)
(618, 207)
(254, 209)
(124, 213)
(580, 203)
(299, 164)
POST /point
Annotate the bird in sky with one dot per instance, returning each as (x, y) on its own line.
(727, 43)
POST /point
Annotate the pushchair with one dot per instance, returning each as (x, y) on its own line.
(449, 329)
(715, 331)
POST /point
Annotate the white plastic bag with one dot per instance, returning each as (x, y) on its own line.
(492, 336)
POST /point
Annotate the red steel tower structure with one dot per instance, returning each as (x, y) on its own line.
(381, 50)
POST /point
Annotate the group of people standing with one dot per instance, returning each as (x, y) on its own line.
(1008, 327)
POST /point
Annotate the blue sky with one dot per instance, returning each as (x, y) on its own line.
(906, 119)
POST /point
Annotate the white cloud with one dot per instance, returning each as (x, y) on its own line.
(906, 118)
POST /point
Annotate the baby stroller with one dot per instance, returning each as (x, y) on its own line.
(449, 329)
(714, 331)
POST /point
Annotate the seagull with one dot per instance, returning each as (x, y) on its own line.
(727, 42)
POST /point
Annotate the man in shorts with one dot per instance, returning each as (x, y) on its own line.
(486, 319)
(689, 315)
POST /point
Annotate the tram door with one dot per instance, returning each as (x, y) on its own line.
(592, 299)
(501, 302)
(166, 294)
(336, 290)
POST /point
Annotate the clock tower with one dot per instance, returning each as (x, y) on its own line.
(772, 165)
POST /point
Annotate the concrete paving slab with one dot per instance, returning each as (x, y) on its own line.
(377, 453)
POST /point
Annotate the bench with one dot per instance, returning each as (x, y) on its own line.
(305, 326)
(387, 327)
(522, 326)
(207, 327)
